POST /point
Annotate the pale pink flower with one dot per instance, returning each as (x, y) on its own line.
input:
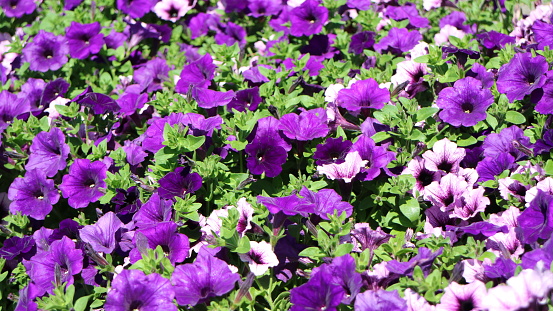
(460, 297)
(346, 170)
(447, 193)
(260, 257)
(473, 269)
(172, 10)
(445, 156)
(545, 185)
(417, 303)
(447, 31)
(473, 202)
(431, 4)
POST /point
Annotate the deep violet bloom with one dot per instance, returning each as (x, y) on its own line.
(363, 94)
(494, 40)
(318, 293)
(129, 102)
(82, 184)
(101, 235)
(46, 52)
(232, 34)
(545, 144)
(326, 201)
(260, 8)
(479, 72)
(151, 75)
(308, 19)
(135, 153)
(201, 23)
(462, 297)
(423, 259)
(333, 150)
(543, 34)
(510, 140)
(31, 91)
(465, 103)
(490, 167)
(135, 8)
(84, 39)
(361, 41)
(342, 272)
(407, 11)
(53, 90)
(366, 238)
(377, 157)
(245, 99)
(545, 104)
(133, 290)
(49, 152)
(10, 107)
(207, 277)
(267, 152)
(33, 195)
(288, 205)
(17, 8)
(179, 183)
(308, 125)
(207, 98)
(16, 247)
(545, 254)
(155, 211)
(175, 245)
(196, 74)
(398, 41)
(59, 264)
(522, 75)
(380, 300)
(99, 103)
(536, 222)
(27, 296)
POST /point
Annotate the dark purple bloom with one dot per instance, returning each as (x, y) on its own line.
(133, 290)
(543, 34)
(483, 229)
(545, 104)
(366, 238)
(342, 272)
(490, 167)
(522, 75)
(245, 99)
(495, 40)
(135, 153)
(363, 94)
(101, 235)
(260, 8)
(99, 103)
(153, 212)
(361, 41)
(31, 91)
(361, 5)
(207, 98)
(479, 72)
(510, 140)
(33, 195)
(289, 205)
(313, 65)
(17, 8)
(545, 144)
(318, 293)
(308, 19)
(26, 298)
(53, 90)
(16, 247)
(130, 102)
(465, 103)
(197, 74)
(71, 4)
(151, 75)
(84, 39)
(175, 245)
(377, 157)
(456, 19)
(232, 34)
(267, 152)
(46, 52)
(536, 222)
(82, 184)
(423, 259)
(49, 152)
(544, 254)
(135, 8)
(334, 150)
(407, 11)
(207, 277)
(398, 41)
(305, 127)
(326, 201)
(179, 183)
(200, 24)
(320, 47)
(56, 266)
(502, 269)
(234, 5)
(380, 300)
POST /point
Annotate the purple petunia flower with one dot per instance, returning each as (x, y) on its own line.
(408, 11)
(334, 150)
(380, 300)
(326, 201)
(308, 19)
(197, 74)
(18, 248)
(318, 293)
(55, 266)
(99, 103)
(151, 75)
(175, 245)
(179, 183)
(17, 8)
(245, 99)
(133, 290)
(207, 277)
(135, 153)
(536, 222)
(82, 184)
(398, 41)
(232, 34)
(345, 171)
(479, 72)
(52, 90)
(46, 52)
(377, 157)
(267, 152)
(84, 39)
(207, 98)
(522, 75)
(490, 167)
(288, 205)
(423, 259)
(361, 41)
(543, 34)
(135, 8)
(510, 140)
(362, 95)
(366, 238)
(494, 40)
(101, 235)
(155, 211)
(33, 195)
(423, 176)
(260, 8)
(465, 103)
(545, 104)
(49, 152)
(305, 127)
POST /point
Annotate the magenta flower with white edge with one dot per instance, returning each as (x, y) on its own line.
(260, 257)
(346, 170)
(447, 194)
(246, 215)
(445, 156)
(462, 297)
(172, 10)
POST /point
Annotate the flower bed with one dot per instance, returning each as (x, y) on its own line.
(275, 155)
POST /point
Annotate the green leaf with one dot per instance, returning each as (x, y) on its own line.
(411, 209)
(424, 113)
(311, 252)
(243, 245)
(380, 136)
(466, 142)
(343, 249)
(492, 121)
(81, 303)
(549, 167)
(422, 59)
(514, 117)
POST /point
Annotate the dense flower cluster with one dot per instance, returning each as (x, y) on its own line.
(276, 155)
